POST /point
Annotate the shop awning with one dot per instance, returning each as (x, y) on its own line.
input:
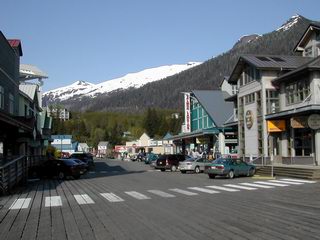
(293, 112)
(198, 133)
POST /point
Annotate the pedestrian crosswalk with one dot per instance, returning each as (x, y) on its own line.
(85, 199)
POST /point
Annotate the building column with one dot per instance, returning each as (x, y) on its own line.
(317, 146)
(221, 143)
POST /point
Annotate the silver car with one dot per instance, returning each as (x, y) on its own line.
(194, 165)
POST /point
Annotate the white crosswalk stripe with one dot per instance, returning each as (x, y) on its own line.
(111, 197)
(256, 185)
(184, 192)
(298, 180)
(20, 203)
(161, 193)
(205, 190)
(240, 187)
(223, 188)
(53, 201)
(83, 199)
(137, 195)
(272, 184)
(286, 182)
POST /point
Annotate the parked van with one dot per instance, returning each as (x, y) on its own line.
(169, 161)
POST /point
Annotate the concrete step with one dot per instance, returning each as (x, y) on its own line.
(297, 172)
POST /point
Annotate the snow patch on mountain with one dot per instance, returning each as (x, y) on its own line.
(131, 80)
(291, 22)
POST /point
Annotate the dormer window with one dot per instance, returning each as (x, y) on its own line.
(308, 52)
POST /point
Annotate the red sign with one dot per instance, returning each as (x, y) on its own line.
(187, 112)
(120, 148)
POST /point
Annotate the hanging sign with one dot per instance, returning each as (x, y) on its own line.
(299, 122)
(187, 112)
(314, 121)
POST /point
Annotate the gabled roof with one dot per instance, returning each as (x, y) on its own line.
(167, 136)
(103, 143)
(29, 89)
(313, 64)
(267, 62)
(305, 36)
(16, 44)
(213, 102)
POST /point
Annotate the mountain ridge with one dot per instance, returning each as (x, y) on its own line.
(206, 76)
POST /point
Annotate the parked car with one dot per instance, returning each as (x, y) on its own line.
(169, 161)
(141, 156)
(150, 157)
(84, 157)
(194, 165)
(60, 168)
(230, 168)
(84, 166)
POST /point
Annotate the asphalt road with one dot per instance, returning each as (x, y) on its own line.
(129, 200)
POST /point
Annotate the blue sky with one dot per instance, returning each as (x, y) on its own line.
(97, 40)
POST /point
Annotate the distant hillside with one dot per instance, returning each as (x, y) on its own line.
(208, 75)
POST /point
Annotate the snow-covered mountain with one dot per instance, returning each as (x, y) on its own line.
(132, 80)
(291, 22)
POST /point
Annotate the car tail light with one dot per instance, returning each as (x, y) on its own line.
(167, 162)
(219, 167)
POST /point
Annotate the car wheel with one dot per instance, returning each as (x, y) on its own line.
(162, 170)
(61, 175)
(231, 174)
(183, 171)
(173, 168)
(211, 176)
(251, 172)
(197, 170)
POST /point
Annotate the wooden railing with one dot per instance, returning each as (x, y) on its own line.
(12, 173)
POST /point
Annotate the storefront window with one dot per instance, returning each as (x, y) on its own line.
(302, 142)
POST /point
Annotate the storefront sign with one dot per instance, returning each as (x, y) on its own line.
(249, 119)
(299, 122)
(187, 113)
(276, 125)
(314, 121)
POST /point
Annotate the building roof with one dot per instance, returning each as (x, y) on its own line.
(267, 62)
(16, 44)
(29, 89)
(103, 143)
(28, 72)
(305, 36)
(213, 102)
(313, 64)
(61, 136)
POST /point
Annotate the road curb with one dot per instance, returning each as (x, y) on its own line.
(262, 177)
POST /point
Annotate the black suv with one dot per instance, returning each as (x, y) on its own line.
(84, 157)
(169, 161)
(60, 168)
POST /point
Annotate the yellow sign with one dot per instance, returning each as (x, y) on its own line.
(276, 125)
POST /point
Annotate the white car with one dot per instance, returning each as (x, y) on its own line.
(194, 165)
